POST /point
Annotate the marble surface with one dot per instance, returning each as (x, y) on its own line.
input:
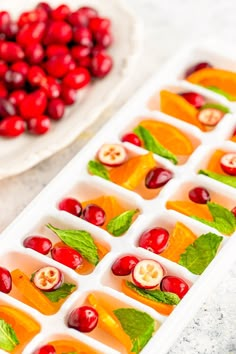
(168, 25)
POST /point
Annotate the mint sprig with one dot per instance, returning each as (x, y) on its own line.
(218, 106)
(221, 92)
(229, 180)
(118, 225)
(61, 293)
(97, 169)
(151, 144)
(200, 253)
(80, 240)
(8, 338)
(139, 326)
(155, 295)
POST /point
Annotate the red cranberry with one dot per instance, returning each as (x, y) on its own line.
(6, 108)
(5, 280)
(45, 6)
(77, 78)
(46, 349)
(14, 80)
(68, 95)
(83, 36)
(31, 34)
(234, 211)
(11, 31)
(83, 319)
(56, 108)
(97, 24)
(51, 87)
(12, 126)
(11, 52)
(97, 49)
(59, 32)
(199, 195)
(174, 285)
(20, 67)
(194, 98)
(59, 65)
(34, 53)
(56, 49)
(38, 243)
(154, 240)
(132, 139)
(34, 105)
(36, 75)
(5, 20)
(103, 38)
(67, 256)
(157, 177)
(3, 90)
(124, 265)
(39, 125)
(101, 64)
(85, 62)
(16, 97)
(3, 68)
(60, 13)
(80, 52)
(34, 16)
(196, 67)
(94, 214)
(70, 205)
(82, 16)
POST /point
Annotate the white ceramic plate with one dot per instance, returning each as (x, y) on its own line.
(18, 155)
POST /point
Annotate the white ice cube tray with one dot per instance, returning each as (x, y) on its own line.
(75, 181)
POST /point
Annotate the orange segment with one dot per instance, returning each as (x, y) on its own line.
(131, 173)
(223, 79)
(180, 239)
(214, 162)
(190, 209)
(163, 309)
(176, 106)
(69, 346)
(170, 137)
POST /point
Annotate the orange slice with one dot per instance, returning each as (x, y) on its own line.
(170, 137)
(181, 238)
(176, 106)
(131, 173)
(69, 346)
(223, 79)
(214, 162)
(190, 209)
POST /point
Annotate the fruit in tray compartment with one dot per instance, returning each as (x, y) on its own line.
(228, 164)
(157, 177)
(65, 346)
(197, 67)
(190, 208)
(67, 256)
(194, 99)
(112, 155)
(147, 274)
(48, 278)
(174, 285)
(5, 280)
(38, 243)
(94, 214)
(210, 116)
(199, 195)
(154, 240)
(70, 205)
(83, 319)
(46, 349)
(124, 265)
(131, 138)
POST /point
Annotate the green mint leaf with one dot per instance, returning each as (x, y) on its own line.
(221, 92)
(118, 225)
(97, 169)
(230, 180)
(155, 295)
(80, 240)
(60, 293)
(200, 253)
(151, 144)
(139, 326)
(218, 106)
(8, 338)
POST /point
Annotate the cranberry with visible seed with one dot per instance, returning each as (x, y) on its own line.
(51, 87)
(5, 280)
(3, 90)
(56, 49)
(97, 24)
(59, 32)
(59, 65)
(196, 67)
(31, 34)
(11, 52)
(70, 205)
(46, 349)
(94, 214)
(5, 20)
(20, 67)
(60, 13)
(12, 126)
(101, 64)
(48, 278)
(56, 108)
(199, 195)
(39, 125)
(83, 36)
(34, 105)
(38, 243)
(174, 285)
(3, 68)
(154, 240)
(36, 75)
(16, 97)
(157, 177)
(228, 163)
(80, 52)
(67, 256)
(68, 95)
(194, 99)
(6, 108)
(82, 16)
(132, 139)
(77, 78)
(124, 265)
(34, 53)
(14, 80)
(103, 38)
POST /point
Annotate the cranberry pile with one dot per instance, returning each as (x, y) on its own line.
(45, 57)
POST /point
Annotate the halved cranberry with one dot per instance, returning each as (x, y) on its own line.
(194, 98)
(199, 195)
(31, 33)
(5, 280)
(70, 205)
(16, 97)
(101, 64)
(36, 75)
(14, 80)
(68, 95)
(48, 278)
(82, 16)
(67, 256)
(34, 105)
(77, 78)
(60, 13)
(157, 177)
(59, 32)
(39, 125)
(132, 139)
(83, 319)
(147, 274)
(196, 67)
(38, 243)
(124, 265)
(97, 24)
(59, 65)
(11, 52)
(112, 155)
(56, 49)
(12, 126)
(228, 163)
(94, 214)
(174, 285)
(34, 53)
(56, 108)
(103, 38)
(51, 87)
(154, 240)
(6, 108)
(83, 36)
(210, 116)
(46, 349)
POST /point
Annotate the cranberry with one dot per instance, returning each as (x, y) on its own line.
(82, 16)
(12, 126)
(38, 243)
(5, 280)
(70, 205)
(3, 90)
(3, 68)
(46, 349)
(67, 256)
(101, 64)
(85, 62)
(5, 20)
(14, 80)
(196, 67)
(34, 53)
(60, 13)
(20, 67)
(132, 139)
(51, 87)
(36, 75)
(11, 31)
(59, 32)
(16, 97)
(77, 78)
(199, 195)
(94, 214)
(154, 240)
(103, 38)
(98, 49)
(6, 108)
(59, 65)
(83, 36)
(48, 278)
(44, 6)
(157, 177)
(228, 163)
(97, 24)
(83, 319)
(124, 265)
(234, 211)
(174, 285)
(194, 98)
(34, 105)
(11, 52)
(56, 49)
(39, 125)
(31, 33)
(56, 108)
(34, 16)
(68, 95)
(80, 52)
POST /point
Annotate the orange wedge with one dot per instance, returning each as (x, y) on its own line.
(69, 346)
(170, 137)
(176, 106)
(131, 173)
(190, 209)
(233, 138)
(214, 162)
(181, 238)
(223, 79)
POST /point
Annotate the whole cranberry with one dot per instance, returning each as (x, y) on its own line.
(83, 319)
(70, 205)
(158, 177)
(12, 126)
(3, 90)
(34, 53)
(36, 75)
(85, 62)
(46, 349)
(234, 211)
(34, 16)
(77, 78)
(45, 6)
(3, 68)
(174, 285)
(196, 67)
(11, 31)
(68, 95)
(51, 87)
(94, 214)
(154, 240)
(59, 32)
(34, 105)
(6, 108)
(124, 265)
(56, 49)
(97, 24)
(39, 125)
(14, 80)
(60, 13)
(11, 52)
(82, 16)
(5, 280)
(101, 65)
(16, 97)
(20, 67)
(132, 139)
(194, 98)
(199, 195)
(38, 243)
(79, 52)
(31, 34)
(59, 65)
(56, 108)
(5, 20)
(83, 36)
(103, 38)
